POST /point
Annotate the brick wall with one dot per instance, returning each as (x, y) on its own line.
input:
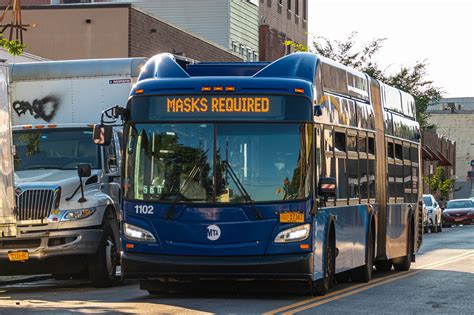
(271, 45)
(149, 36)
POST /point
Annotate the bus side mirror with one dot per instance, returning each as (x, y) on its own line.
(327, 187)
(102, 134)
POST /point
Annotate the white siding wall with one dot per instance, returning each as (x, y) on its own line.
(244, 27)
(208, 19)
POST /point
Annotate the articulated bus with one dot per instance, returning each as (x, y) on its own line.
(299, 170)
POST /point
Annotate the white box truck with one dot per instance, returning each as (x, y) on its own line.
(7, 201)
(67, 188)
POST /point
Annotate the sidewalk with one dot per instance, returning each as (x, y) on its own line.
(6, 280)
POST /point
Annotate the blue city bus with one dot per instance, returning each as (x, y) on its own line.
(297, 170)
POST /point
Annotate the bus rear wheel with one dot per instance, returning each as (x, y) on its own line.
(383, 265)
(364, 273)
(404, 263)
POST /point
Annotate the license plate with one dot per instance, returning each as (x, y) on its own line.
(18, 256)
(291, 217)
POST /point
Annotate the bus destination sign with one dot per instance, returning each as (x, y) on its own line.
(218, 104)
(227, 107)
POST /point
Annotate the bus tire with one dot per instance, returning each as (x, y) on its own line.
(322, 286)
(383, 265)
(103, 264)
(404, 263)
(364, 273)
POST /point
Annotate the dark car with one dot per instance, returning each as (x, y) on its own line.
(459, 211)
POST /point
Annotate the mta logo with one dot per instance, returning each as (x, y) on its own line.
(213, 232)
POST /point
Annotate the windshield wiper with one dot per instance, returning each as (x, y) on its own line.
(43, 167)
(241, 188)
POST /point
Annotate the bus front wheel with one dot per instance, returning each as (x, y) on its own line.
(322, 286)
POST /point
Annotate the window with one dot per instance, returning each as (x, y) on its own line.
(390, 153)
(398, 151)
(371, 145)
(234, 46)
(371, 172)
(305, 10)
(288, 5)
(269, 3)
(340, 141)
(297, 7)
(352, 143)
(255, 56)
(280, 6)
(60, 149)
(242, 49)
(225, 163)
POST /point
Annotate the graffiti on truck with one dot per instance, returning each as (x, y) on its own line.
(44, 108)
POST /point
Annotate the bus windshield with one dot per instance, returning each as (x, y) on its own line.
(54, 149)
(219, 163)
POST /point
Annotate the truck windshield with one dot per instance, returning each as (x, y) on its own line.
(54, 149)
(223, 163)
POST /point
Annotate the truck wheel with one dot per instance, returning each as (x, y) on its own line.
(404, 263)
(103, 264)
(364, 273)
(322, 286)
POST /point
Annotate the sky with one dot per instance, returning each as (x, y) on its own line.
(440, 31)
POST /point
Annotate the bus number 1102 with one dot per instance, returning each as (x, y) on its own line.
(144, 209)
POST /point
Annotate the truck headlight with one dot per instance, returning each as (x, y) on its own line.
(296, 234)
(134, 233)
(78, 214)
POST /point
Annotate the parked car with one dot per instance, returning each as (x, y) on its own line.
(434, 213)
(459, 211)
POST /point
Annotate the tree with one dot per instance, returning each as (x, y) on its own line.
(439, 185)
(13, 47)
(411, 79)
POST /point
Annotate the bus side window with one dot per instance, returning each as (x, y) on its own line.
(371, 164)
(408, 184)
(328, 168)
(340, 154)
(352, 166)
(391, 169)
(363, 174)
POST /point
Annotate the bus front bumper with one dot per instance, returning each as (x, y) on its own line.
(149, 266)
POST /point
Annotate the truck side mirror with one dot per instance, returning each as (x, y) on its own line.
(102, 134)
(327, 187)
(84, 170)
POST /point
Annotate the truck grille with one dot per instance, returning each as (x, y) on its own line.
(36, 204)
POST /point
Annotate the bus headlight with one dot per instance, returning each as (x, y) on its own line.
(78, 214)
(134, 233)
(296, 234)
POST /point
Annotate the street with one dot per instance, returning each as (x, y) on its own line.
(441, 280)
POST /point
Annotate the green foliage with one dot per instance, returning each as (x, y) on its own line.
(296, 47)
(439, 185)
(411, 79)
(13, 47)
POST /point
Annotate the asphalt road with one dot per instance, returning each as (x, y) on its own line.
(441, 281)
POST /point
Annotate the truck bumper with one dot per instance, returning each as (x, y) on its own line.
(49, 251)
(149, 266)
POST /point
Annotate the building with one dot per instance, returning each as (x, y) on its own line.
(437, 151)
(231, 24)
(108, 30)
(280, 21)
(454, 119)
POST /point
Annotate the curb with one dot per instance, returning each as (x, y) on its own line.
(24, 279)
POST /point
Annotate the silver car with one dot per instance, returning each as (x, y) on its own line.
(435, 223)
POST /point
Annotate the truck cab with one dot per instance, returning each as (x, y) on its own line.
(67, 189)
